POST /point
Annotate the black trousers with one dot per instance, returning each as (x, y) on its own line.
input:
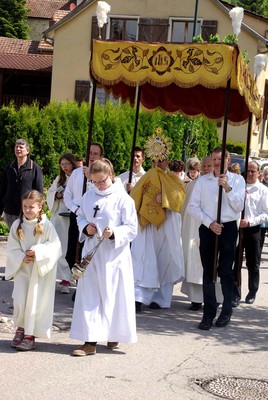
(263, 233)
(227, 246)
(251, 243)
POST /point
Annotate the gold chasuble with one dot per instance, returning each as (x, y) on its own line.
(154, 193)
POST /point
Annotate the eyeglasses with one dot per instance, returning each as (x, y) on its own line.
(100, 182)
(65, 164)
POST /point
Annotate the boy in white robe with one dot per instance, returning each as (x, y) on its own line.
(104, 308)
(33, 249)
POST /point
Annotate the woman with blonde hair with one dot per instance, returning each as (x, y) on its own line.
(104, 308)
(235, 168)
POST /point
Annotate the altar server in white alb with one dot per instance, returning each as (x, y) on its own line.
(137, 170)
(33, 249)
(61, 216)
(104, 309)
(72, 197)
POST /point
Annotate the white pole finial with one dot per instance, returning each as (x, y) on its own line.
(236, 14)
(260, 63)
(102, 10)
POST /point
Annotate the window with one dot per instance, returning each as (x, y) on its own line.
(181, 29)
(122, 28)
(118, 28)
(82, 90)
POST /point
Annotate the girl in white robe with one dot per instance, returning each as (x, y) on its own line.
(60, 218)
(104, 308)
(33, 249)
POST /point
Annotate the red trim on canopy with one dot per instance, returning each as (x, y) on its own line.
(192, 102)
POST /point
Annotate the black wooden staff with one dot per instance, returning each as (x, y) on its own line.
(79, 245)
(223, 147)
(240, 244)
(138, 101)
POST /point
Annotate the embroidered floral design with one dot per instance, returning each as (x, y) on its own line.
(193, 59)
(131, 58)
(162, 61)
(153, 193)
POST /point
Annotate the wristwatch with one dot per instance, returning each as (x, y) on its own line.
(229, 189)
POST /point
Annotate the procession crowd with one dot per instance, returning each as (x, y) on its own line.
(127, 240)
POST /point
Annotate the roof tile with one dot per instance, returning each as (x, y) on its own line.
(59, 14)
(44, 8)
(23, 55)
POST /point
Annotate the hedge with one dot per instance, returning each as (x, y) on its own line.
(61, 127)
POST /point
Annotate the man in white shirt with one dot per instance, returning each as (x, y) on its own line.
(203, 207)
(72, 198)
(256, 212)
(137, 170)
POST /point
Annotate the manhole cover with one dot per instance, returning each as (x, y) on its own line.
(236, 388)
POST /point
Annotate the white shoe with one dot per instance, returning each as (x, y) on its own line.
(65, 290)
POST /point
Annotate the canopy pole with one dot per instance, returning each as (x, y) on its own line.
(89, 140)
(195, 18)
(240, 244)
(90, 128)
(223, 147)
(138, 101)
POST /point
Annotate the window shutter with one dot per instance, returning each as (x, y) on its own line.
(82, 89)
(153, 30)
(209, 28)
(95, 29)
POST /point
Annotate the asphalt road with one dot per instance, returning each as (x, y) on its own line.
(170, 361)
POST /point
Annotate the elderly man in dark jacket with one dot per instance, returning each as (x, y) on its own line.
(21, 175)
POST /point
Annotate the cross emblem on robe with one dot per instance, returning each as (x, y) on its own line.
(96, 209)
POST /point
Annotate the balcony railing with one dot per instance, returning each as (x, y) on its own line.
(20, 100)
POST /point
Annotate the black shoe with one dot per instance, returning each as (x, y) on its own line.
(235, 302)
(154, 306)
(205, 324)
(138, 306)
(223, 320)
(195, 306)
(250, 298)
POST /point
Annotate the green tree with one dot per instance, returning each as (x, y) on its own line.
(13, 19)
(259, 7)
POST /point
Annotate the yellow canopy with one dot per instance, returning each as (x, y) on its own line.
(165, 71)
